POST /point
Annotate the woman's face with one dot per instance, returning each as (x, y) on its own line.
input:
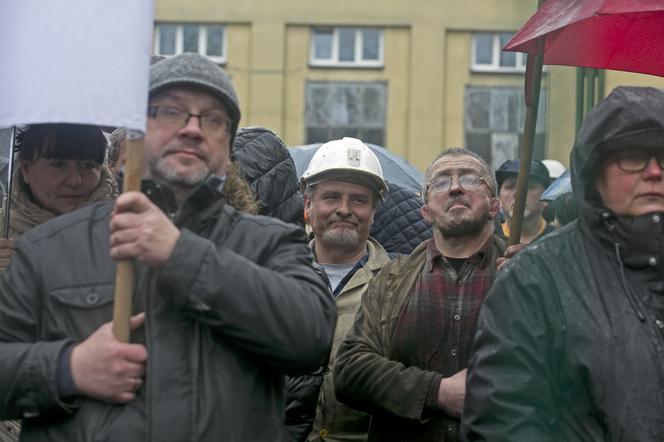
(61, 185)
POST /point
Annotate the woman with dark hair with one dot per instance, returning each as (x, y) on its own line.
(60, 168)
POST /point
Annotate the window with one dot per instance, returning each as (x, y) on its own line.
(209, 40)
(345, 109)
(347, 47)
(494, 123)
(488, 56)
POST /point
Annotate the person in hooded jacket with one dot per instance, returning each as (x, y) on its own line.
(269, 169)
(570, 341)
(398, 224)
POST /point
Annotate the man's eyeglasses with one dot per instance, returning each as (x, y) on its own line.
(211, 122)
(636, 160)
(469, 181)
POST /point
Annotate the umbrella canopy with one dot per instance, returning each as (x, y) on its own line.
(395, 169)
(623, 35)
(562, 184)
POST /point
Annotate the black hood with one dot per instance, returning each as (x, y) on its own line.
(628, 117)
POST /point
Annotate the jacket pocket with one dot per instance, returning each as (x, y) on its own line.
(76, 312)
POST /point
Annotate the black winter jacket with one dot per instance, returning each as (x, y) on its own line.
(270, 171)
(237, 306)
(398, 224)
(570, 341)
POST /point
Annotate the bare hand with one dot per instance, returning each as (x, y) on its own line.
(106, 369)
(139, 229)
(7, 248)
(509, 253)
(452, 393)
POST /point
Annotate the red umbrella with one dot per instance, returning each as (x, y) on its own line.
(624, 35)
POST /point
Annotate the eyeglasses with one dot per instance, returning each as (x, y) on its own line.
(469, 181)
(636, 160)
(211, 122)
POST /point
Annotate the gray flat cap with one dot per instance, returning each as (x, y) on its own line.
(196, 70)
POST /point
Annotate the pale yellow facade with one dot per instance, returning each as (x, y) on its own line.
(427, 65)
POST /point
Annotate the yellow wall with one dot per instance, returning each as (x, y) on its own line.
(427, 54)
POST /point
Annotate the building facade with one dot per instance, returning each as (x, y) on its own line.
(415, 77)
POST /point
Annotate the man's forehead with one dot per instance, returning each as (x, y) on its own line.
(456, 162)
(188, 94)
(340, 186)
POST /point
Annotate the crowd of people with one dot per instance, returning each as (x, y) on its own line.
(277, 308)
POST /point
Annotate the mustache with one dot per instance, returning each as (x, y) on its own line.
(193, 146)
(457, 199)
(349, 219)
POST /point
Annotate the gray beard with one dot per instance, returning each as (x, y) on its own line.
(341, 237)
(169, 177)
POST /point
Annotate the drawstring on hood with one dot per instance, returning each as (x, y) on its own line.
(630, 295)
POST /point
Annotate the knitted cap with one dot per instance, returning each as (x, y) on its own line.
(190, 69)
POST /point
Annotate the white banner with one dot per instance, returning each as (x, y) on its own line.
(75, 61)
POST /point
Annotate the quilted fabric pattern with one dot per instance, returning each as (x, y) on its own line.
(270, 171)
(398, 225)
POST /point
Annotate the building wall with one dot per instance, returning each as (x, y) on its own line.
(427, 54)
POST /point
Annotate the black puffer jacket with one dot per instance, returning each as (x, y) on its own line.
(237, 306)
(398, 224)
(570, 341)
(269, 169)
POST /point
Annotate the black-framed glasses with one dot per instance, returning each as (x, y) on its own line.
(467, 181)
(211, 122)
(636, 160)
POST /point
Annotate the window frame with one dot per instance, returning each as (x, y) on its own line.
(202, 40)
(358, 61)
(496, 49)
(472, 132)
(331, 125)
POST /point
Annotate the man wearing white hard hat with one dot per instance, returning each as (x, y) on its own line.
(404, 359)
(555, 168)
(342, 186)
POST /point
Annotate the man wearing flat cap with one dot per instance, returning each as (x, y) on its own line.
(225, 303)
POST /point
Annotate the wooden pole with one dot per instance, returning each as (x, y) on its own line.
(580, 96)
(533, 82)
(601, 85)
(124, 275)
(591, 98)
(7, 204)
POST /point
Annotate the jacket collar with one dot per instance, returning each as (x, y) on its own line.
(639, 239)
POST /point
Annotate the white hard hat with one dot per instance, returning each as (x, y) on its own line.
(348, 159)
(555, 168)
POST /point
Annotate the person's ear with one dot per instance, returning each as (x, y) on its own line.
(307, 207)
(495, 207)
(24, 167)
(424, 211)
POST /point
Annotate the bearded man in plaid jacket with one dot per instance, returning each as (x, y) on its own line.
(404, 359)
